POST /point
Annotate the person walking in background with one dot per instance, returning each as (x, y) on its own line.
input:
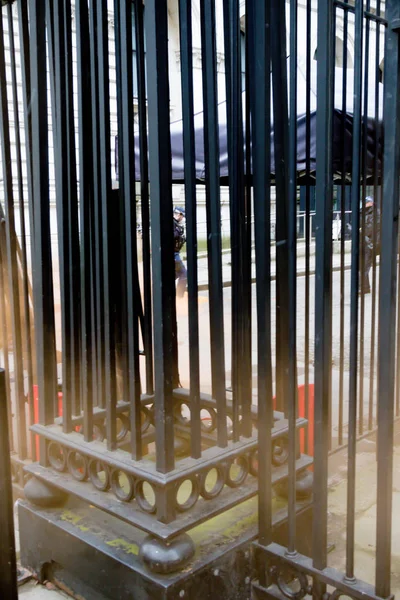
(179, 241)
(370, 245)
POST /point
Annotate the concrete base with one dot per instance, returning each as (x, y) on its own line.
(94, 556)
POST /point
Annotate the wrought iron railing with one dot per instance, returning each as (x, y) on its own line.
(165, 413)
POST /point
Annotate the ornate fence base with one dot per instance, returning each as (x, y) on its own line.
(78, 547)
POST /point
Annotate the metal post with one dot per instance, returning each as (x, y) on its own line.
(185, 8)
(156, 26)
(8, 561)
(259, 76)
(307, 222)
(213, 205)
(323, 308)
(387, 300)
(281, 161)
(86, 209)
(292, 282)
(25, 277)
(105, 199)
(147, 331)
(128, 222)
(12, 265)
(43, 284)
(342, 238)
(355, 250)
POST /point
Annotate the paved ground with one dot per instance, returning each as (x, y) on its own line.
(365, 525)
(34, 591)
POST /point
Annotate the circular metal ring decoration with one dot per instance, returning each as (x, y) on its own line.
(280, 451)
(57, 456)
(99, 432)
(99, 475)
(146, 418)
(192, 498)
(292, 583)
(178, 413)
(142, 498)
(253, 463)
(124, 426)
(208, 423)
(77, 465)
(122, 484)
(241, 465)
(209, 494)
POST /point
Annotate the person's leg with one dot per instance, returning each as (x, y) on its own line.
(181, 275)
(367, 268)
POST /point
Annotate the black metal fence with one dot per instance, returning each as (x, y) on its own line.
(181, 409)
(8, 561)
(374, 231)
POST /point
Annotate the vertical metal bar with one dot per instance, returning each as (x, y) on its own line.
(397, 371)
(51, 60)
(241, 390)
(50, 34)
(292, 284)
(122, 358)
(156, 21)
(8, 560)
(233, 176)
(86, 202)
(26, 95)
(106, 219)
(323, 298)
(281, 142)
(211, 152)
(96, 237)
(244, 284)
(363, 244)
(55, 21)
(247, 239)
(24, 41)
(127, 190)
(144, 195)
(307, 226)
(377, 213)
(12, 265)
(185, 30)
(343, 227)
(387, 301)
(332, 95)
(43, 283)
(259, 15)
(4, 326)
(93, 306)
(355, 266)
(25, 274)
(74, 280)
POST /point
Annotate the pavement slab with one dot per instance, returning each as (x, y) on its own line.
(35, 591)
(365, 524)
